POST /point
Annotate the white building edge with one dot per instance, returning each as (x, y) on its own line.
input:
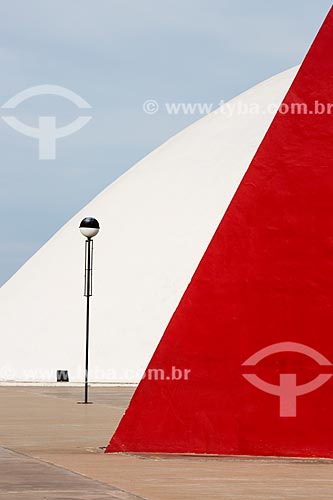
(156, 222)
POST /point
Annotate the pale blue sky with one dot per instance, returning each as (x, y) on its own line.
(116, 54)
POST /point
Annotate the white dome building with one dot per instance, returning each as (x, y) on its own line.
(156, 222)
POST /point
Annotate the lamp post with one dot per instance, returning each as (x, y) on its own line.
(89, 227)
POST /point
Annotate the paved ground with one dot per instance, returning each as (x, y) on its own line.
(30, 479)
(57, 453)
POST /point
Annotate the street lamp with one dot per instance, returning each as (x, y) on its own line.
(89, 227)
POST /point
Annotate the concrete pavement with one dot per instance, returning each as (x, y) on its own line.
(31, 479)
(46, 424)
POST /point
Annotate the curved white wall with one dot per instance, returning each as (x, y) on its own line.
(156, 222)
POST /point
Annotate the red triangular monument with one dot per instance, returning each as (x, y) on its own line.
(255, 325)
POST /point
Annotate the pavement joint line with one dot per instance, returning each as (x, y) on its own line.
(60, 467)
(69, 399)
(226, 458)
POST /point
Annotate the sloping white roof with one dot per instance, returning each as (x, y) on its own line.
(156, 222)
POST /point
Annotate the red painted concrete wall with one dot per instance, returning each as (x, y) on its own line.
(255, 326)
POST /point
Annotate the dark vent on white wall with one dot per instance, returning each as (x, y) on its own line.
(62, 376)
